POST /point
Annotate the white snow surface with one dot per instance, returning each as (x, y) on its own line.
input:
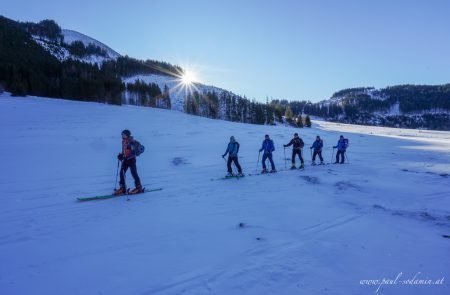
(317, 231)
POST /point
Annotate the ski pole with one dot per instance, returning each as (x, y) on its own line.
(310, 152)
(117, 174)
(257, 163)
(285, 167)
(346, 157)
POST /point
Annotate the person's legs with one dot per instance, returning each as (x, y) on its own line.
(293, 157)
(320, 156)
(123, 171)
(314, 155)
(299, 152)
(264, 158)
(271, 161)
(229, 165)
(236, 162)
(134, 173)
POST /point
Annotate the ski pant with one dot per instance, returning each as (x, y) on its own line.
(317, 153)
(340, 154)
(131, 163)
(236, 162)
(264, 158)
(297, 152)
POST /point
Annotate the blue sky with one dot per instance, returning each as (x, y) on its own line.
(277, 49)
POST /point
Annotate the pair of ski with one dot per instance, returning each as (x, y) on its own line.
(254, 174)
(85, 199)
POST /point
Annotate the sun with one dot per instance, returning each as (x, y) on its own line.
(188, 78)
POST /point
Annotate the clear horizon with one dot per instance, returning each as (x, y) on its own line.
(294, 50)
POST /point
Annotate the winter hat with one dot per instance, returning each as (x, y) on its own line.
(296, 134)
(127, 132)
(232, 139)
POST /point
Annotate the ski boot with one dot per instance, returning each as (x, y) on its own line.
(313, 163)
(322, 163)
(302, 166)
(240, 174)
(273, 171)
(293, 167)
(264, 171)
(120, 191)
(229, 175)
(138, 189)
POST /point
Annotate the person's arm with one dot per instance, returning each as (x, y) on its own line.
(226, 152)
(290, 143)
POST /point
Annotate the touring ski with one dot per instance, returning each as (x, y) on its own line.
(84, 199)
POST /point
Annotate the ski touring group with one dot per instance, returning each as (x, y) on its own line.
(131, 149)
(268, 147)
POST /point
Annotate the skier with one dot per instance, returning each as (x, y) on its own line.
(268, 147)
(296, 150)
(341, 147)
(128, 159)
(317, 146)
(232, 151)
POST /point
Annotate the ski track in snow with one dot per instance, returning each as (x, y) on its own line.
(317, 231)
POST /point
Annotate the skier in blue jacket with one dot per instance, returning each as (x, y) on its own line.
(232, 151)
(268, 147)
(317, 146)
(341, 148)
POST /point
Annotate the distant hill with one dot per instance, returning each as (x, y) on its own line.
(408, 106)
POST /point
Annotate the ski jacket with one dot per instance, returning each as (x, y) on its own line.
(341, 145)
(128, 148)
(232, 149)
(317, 145)
(267, 146)
(297, 142)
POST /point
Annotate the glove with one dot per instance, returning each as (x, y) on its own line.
(260, 150)
(223, 156)
(120, 157)
(310, 148)
(284, 145)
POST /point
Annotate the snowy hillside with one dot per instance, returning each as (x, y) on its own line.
(325, 230)
(62, 53)
(177, 91)
(72, 36)
(409, 106)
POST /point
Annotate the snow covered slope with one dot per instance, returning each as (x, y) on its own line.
(177, 92)
(72, 36)
(319, 231)
(62, 53)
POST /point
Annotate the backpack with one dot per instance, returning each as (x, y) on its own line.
(346, 142)
(138, 148)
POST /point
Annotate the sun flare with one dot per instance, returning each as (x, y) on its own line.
(188, 78)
